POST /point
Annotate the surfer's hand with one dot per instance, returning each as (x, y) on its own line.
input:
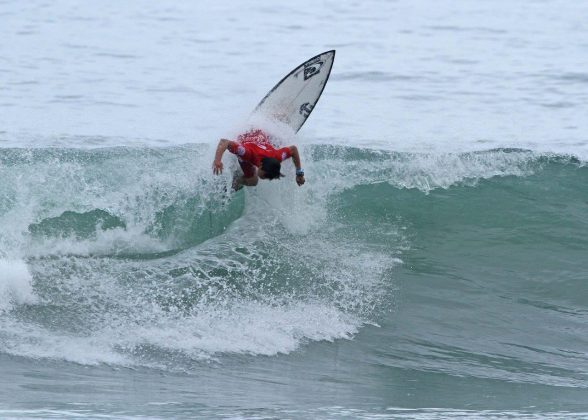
(300, 180)
(217, 167)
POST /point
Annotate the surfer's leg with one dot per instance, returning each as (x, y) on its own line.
(239, 181)
(249, 177)
(250, 182)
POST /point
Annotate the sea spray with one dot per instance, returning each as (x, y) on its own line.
(15, 284)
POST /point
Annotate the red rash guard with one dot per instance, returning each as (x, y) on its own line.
(252, 147)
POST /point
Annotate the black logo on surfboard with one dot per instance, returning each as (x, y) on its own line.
(306, 109)
(312, 68)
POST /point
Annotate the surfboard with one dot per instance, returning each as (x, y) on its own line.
(293, 99)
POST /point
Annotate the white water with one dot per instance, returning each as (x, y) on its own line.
(15, 284)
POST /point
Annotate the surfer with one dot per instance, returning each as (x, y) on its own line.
(258, 158)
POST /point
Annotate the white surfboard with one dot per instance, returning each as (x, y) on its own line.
(294, 97)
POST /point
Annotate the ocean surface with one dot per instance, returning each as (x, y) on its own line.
(434, 265)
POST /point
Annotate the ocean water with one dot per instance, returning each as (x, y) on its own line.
(434, 265)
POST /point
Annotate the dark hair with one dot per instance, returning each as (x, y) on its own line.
(271, 167)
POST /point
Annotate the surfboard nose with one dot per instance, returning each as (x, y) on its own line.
(292, 99)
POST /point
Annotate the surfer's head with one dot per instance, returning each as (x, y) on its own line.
(270, 169)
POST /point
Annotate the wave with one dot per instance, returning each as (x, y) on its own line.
(168, 194)
(139, 256)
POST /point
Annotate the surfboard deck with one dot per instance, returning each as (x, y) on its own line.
(292, 99)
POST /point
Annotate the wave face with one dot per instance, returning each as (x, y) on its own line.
(469, 264)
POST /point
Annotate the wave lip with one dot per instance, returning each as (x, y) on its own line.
(345, 167)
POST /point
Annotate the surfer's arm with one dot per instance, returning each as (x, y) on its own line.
(296, 159)
(217, 165)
